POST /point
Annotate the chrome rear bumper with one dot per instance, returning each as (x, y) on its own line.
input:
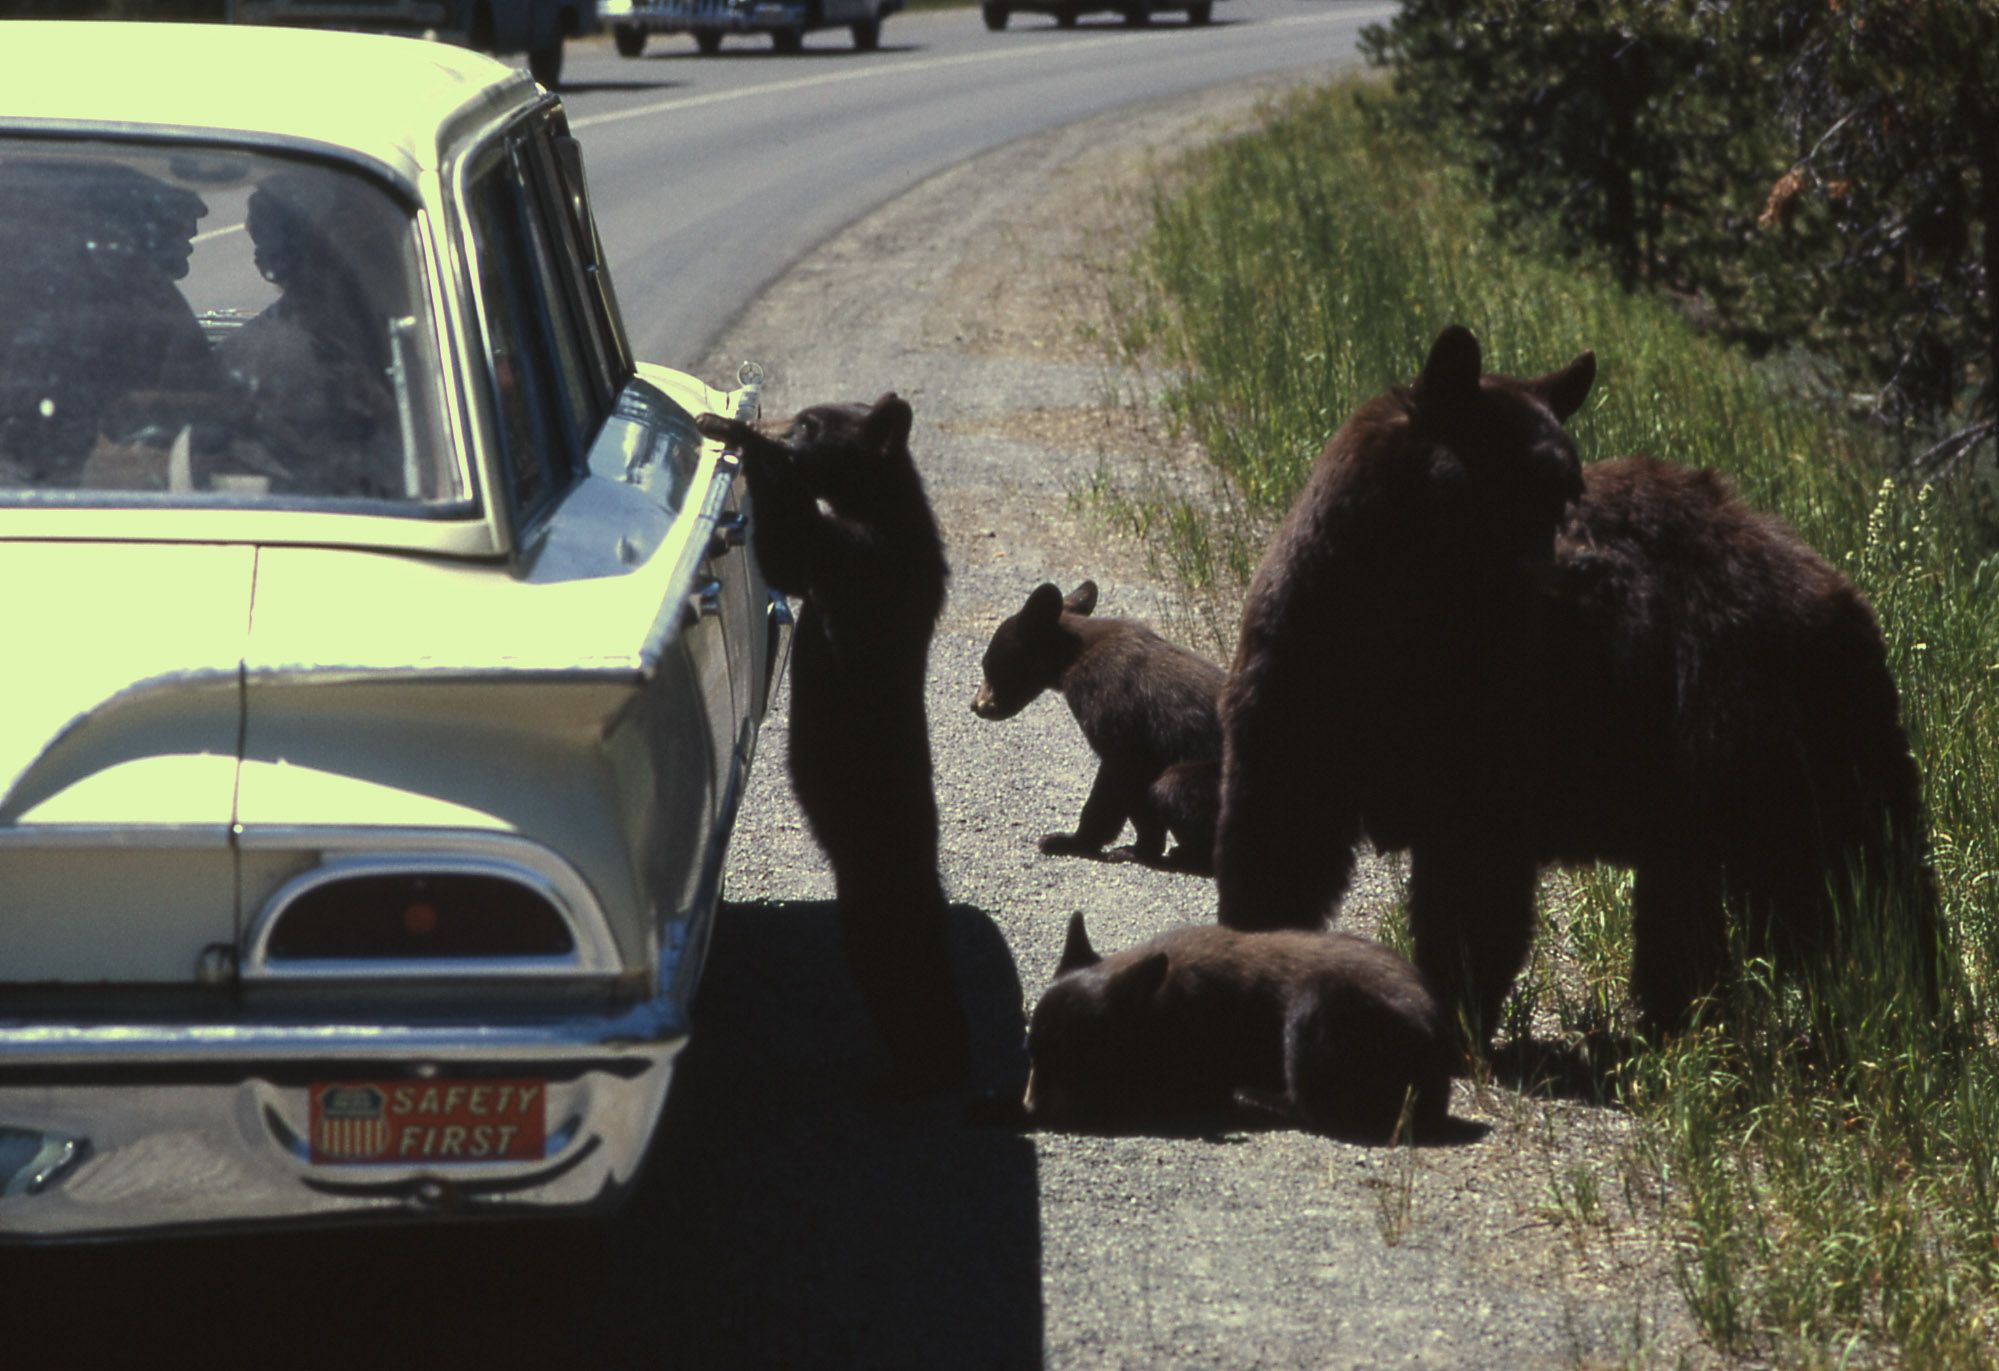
(108, 1131)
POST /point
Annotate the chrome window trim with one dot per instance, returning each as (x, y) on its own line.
(568, 211)
(432, 536)
(432, 231)
(595, 954)
(475, 343)
(467, 148)
(554, 258)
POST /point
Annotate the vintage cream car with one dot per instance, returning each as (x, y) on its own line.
(387, 652)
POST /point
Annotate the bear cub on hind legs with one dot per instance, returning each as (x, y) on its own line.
(1330, 1031)
(870, 569)
(1146, 706)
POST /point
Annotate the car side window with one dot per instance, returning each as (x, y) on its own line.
(548, 400)
(576, 250)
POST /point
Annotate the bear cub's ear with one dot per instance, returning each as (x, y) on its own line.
(1076, 950)
(1044, 602)
(1081, 600)
(887, 426)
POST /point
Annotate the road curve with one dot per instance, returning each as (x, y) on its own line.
(712, 175)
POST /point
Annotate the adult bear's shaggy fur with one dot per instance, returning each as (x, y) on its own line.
(1464, 644)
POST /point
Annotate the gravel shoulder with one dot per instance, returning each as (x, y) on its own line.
(976, 296)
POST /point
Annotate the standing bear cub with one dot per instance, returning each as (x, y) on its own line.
(841, 521)
(1464, 644)
(1332, 1032)
(1146, 706)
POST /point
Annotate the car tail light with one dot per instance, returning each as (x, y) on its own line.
(457, 906)
(418, 916)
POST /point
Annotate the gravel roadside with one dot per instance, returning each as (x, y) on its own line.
(974, 296)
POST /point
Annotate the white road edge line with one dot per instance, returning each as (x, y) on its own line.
(876, 70)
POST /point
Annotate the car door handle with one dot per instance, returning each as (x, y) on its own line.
(731, 531)
(704, 602)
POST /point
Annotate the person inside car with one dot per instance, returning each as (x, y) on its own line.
(316, 365)
(97, 346)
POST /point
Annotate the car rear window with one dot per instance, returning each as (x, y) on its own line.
(209, 326)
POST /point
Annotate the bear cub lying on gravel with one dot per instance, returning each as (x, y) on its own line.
(1146, 706)
(1327, 1030)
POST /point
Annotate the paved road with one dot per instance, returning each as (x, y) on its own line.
(712, 175)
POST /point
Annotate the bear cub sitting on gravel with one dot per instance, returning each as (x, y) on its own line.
(1328, 1030)
(841, 520)
(1146, 706)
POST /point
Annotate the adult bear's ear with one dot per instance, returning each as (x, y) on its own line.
(1082, 599)
(1450, 377)
(887, 425)
(1076, 950)
(1564, 391)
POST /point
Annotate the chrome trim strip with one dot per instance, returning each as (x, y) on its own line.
(296, 145)
(116, 837)
(433, 228)
(169, 1048)
(718, 471)
(467, 535)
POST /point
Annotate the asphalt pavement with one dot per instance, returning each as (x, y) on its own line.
(712, 176)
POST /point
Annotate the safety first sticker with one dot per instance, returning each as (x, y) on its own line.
(404, 1122)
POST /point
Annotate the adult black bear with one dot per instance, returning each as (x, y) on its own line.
(1330, 1031)
(1146, 706)
(870, 569)
(1464, 644)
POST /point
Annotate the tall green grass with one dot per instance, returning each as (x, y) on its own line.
(1828, 1165)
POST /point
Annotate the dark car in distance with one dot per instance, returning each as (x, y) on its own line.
(1066, 12)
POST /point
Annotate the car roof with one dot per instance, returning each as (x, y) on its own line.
(386, 98)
